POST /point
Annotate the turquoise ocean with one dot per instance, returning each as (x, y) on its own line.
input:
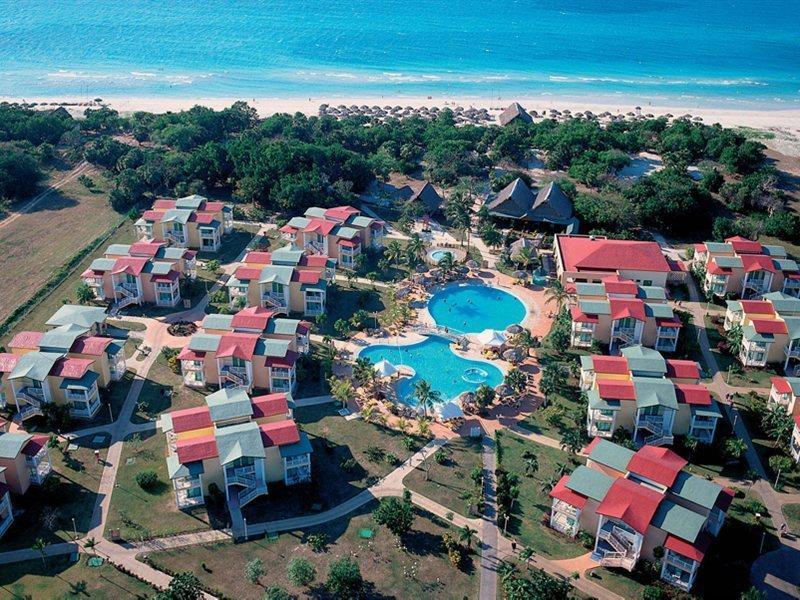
(743, 53)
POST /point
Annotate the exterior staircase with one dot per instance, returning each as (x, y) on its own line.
(128, 296)
(622, 554)
(32, 408)
(235, 378)
(314, 247)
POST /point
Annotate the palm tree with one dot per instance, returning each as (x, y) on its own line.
(364, 372)
(402, 424)
(572, 441)
(367, 413)
(40, 546)
(735, 447)
(426, 396)
(91, 544)
(516, 380)
(424, 427)
(414, 250)
(341, 389)
(531, 463)
(447, 264)
(524, 339)
(556, 293)
(465, 535)
(524, 258)
(393, 252)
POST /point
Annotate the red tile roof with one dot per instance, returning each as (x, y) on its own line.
(563, 493)
(781, 385)
(303, 327)
(699, 247)
(322, 226)
(238, 345)
(163, 204)
(354, 243)
(341, 213)
(153, 215)
(615, 284)
(26, 339)
(133, 265)
(270, 405)
(742, 245)
(35, 445)
(769, 326)
(757, 262)
(190, 419)
(580, 317)
(204, 218)
(725, 499)
(93, 345)
(630, 502)
(199, 448)
(715, 269)
(691, 393)
(673, 322)
(582, 253)
(279, 433)
(612, 365)
(694, 551)
(623, 308)
(187, 353)
(7, 362)
(758, 307)
(657, 464)
(213, 205)
(71, 368)
(170, 277)
(288, 229)
(245, 273)
(287, 362)
(254, 317)
(313, 260)
(145, 249)
(616, 390)
(682, 369)
(306, 276)
(258, 258)
(797, 421)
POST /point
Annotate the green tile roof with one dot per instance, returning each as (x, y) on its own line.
(785, 264)
(590, 289)
(315, 211)
(288, 255)
(655, 392)
(794, 383)
(595, 307)
(158, 268)
(360, 221)
(611, 455)
(86, 382)
(298, 448)
(171, 252)
(590, 483)
(102, 264)
(229, 403)
(204, 342)
(175, 469)
(62, 337)
(773, 250)
(729, 262)
(598, 403)
(239, 441)
(192, 202)
(587, 364)
(115, 347)
(658, 311)
(177, 214)
(283, 326)
(679, 521)
(267, 347)
(218, 321)
(698, 490)
(641, 359)
(793, 325)
(734, 306)
(751, 335)
(277, 274)
(707, 411)
(320, 285)
(718, 247)
(119, 249)
(34, 365)
(298, 222)
(80, 315)
(347, 233)
(783, 303)
(11, 444)
(652, 292)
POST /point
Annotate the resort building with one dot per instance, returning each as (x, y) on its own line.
(618, 312)
(286, 280)
(6, 509)
(636, 502)
(518, 202)
(427, 196)
(191, 222)
(784, 393)
(341, 233)
(745, 269)
(253, 349)
(140, 273)
(514, 114)
(238, 444)
(589, 259)
(65, 365)
(652, 398)
(24, 461)
(770, 330)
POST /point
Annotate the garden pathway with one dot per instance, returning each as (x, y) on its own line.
(489, 532)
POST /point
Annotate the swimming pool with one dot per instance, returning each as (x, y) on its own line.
(473, 308)
(438, 255)
(432, 359)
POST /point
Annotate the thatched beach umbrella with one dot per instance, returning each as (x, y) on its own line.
(385, 369)
(514, 329)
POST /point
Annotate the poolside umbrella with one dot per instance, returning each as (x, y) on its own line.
(520, 274)
(513, 355)
(385, 369)
(472, 264)
(491, 337)
(449, 410)
(421, 268)
(503, 390)
(514, 329)
(462, 270)
(402, 292)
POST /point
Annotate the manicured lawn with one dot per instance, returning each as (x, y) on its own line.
(164, 391)
(59, 577)
(527, 523)
(417, 569)
(232, 246)
(617, 581)
(552, 419)
(340, 465)
(739, 376)
(449, 483)
(791, 512)
(344, 300)
(142, 514)
(69, 492)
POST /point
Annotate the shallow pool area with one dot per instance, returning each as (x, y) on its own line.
(438, 255)
(434, 361)
(473, 308)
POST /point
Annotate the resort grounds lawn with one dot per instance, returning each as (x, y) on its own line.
(791, 512)
(348, 457)
(740, 376)
(417, 568)
(232, 246)
(618, 581)
(63, 293)
(70, 492)
(37, 243)
(343, 300)
(60, 577)
(140, 514)
(449, 483)
(528, 522)
(164, 391)
(550, 420)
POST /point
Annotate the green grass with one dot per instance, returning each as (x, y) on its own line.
(617, 581)
(232, 246)
(335, 442)
(417, 569)
(527, 523)
(69, 492)
(344, 300)
(140, 514)
(59, 577)
(449, 483)
(164, 391)
(791, 512)
(739, 376)
(552, 419)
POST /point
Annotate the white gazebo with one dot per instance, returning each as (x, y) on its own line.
(491, 338)
(449, 410)
(385, 369)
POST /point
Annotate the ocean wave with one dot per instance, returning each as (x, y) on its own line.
(129, 76)
(657, 81)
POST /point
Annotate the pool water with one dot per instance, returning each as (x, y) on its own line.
(438, 255)
(473, 308)
(432, 359)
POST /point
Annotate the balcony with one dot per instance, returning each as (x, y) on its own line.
(273, 300)
(178, 238)
(245, 476)
(39, 466)
(235, 376)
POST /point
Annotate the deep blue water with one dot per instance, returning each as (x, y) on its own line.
(473, 308)
(434, 362)
(740, 53)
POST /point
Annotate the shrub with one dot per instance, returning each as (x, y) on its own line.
(395, 514)
(317, 541)
(344, 579)
(275, 592)
(301, 572)
(254, 570)
(147, 480)
(375, 454)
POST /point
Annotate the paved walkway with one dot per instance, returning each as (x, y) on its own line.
(489, 532)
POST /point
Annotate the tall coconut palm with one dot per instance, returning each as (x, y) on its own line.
(556, 294)
(393, 252)
(426, 396)
(524, 258)
(447, 264)
(414, 250)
